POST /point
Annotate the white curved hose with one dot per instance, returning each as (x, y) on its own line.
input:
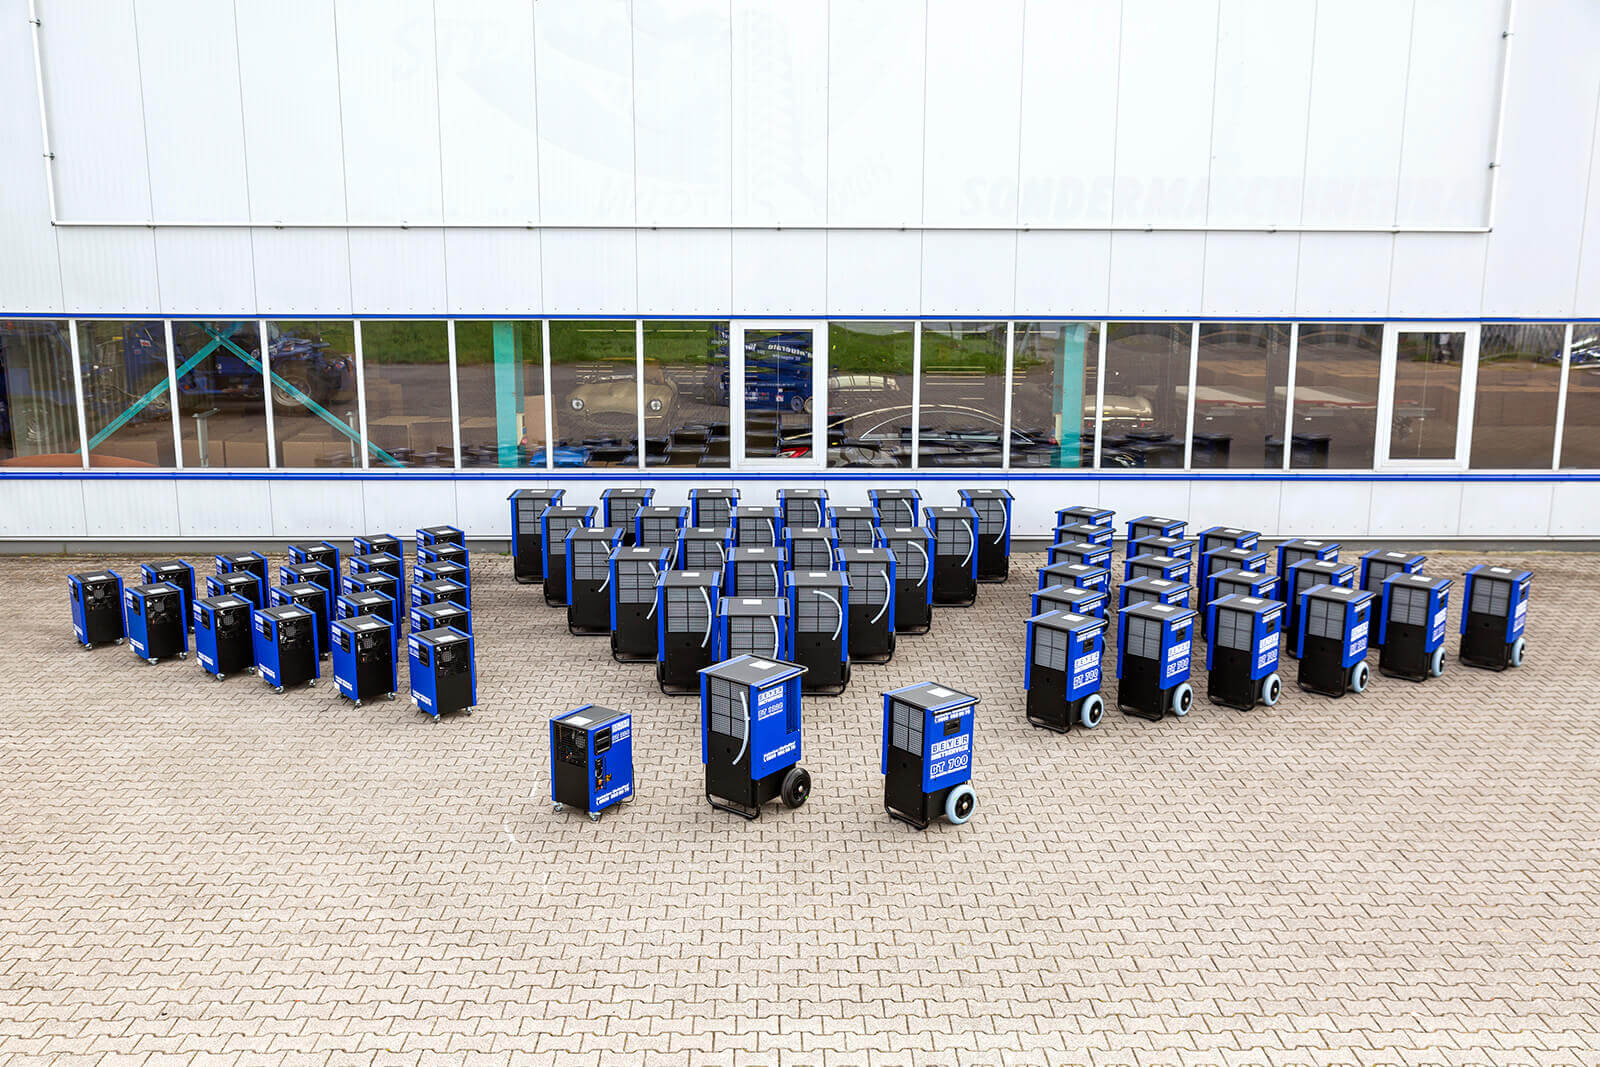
(886, 591)
(927, 567)
(1005, 524)
(605, 584)
(777, 638)
(972, 544)
(709, 613)
(653, 601)
(744, 699)
(774, 524)
(838, 626)
(777, 582)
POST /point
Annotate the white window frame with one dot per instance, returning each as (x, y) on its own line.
(1464, 414)
(818, 459)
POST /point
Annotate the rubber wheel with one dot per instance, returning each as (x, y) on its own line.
(1436, 663)
(1182, 699)
(1514, 657)
(1360, 674)
(1093, 710)
(1271, 689)
(796, 787)
(960, 804)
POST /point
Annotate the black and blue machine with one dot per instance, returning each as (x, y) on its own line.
(1176, 547)
(658, 526)
(367, 564)
(912, 548)
(686, 617)
(374, 582)
(444, 570)
(703, 548)
(1062, 670)
(927, 754)
(1071, 600)
(151, 617)
(222, 640)
(755, 525)
(1235, 581)
(1242, 652)
(750, 734)
(1076, 575)
(1215, 537)
(444, 676)
(368, 602)
(442, 553)
(871, 574)
(1085, 514)
(96, 607)
(1380, 563)
(316, 573)
(819, 625)
(712, 507)
(238, 583)
(1412, 619)
(802, 507)
(1170, 568)
(527, 532)
(428, 536)
(587, 581)
(253, 562)
(1086, 532)
(857, 525)
(556, 522)
(1080, 552)
(620, 506)
(896, 507)
(1299, 549)
(1216, 560)
(314, 599)
(1494, 612)
(993, 508)
(1154, 645)
(591, 759)
(755, 571)
(323, 552)
(955, 555)
(442, 613)
(812, 547)
(1154, 526)
(1331, 639)
(634, 574)
(753, 626)
(438, 590)
(364, 652)
(1307, 574)
(1153, 591)
(284, 638)
(374, 543)
(176, 572)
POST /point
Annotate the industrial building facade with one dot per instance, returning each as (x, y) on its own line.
(285, 269)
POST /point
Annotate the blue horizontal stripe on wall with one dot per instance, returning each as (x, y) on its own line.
(874, 475)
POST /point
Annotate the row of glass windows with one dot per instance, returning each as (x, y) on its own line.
(507, 405)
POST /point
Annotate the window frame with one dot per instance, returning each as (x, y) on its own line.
(1466, 404)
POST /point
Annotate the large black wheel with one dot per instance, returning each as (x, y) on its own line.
(796, 787)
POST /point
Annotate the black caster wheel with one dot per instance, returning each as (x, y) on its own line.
(796, 787)
(252, 670)
(312, 684)
(388, 696)
(355, 703)
(183, 655)
(278, 689)
(216, 677)
(151, 661)
(558, 808)
(467, 712)
(115, 641)
(594, 816)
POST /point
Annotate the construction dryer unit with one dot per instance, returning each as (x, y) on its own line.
(1380, 563)
(527, 532)
(927, 754)
(444, 675)
(1154, 526)
(686, 616)
(1061, 673)
(993, 508)
(1084, 513)
(238, 583)
(755, 571)
(812, 548)
(896, 507)
(756, 525)
(364, 653)
(588, 579)
(620, 506)
(1412, 611)
(314, 599)
(756, 626)
(556, 523)
(703, 548)
(285, 640)
(152, 618)
(1494, 611)
(1215, 537)
(1154, 645)
(591, 759)
(367, 602)
(1308, 574)
(1070, 599)
(802, 507)
(750, 735)
(955, 555)
(96, 607)
(222, 640)
(658, 526)
(1332, 639)
(712, 507)
(178, 573)
(912, 547)
(634, 573)
(871, 574)
(856, 524)
(819, 621)
(1242, 654)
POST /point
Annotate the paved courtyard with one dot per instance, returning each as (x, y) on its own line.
(209, 871)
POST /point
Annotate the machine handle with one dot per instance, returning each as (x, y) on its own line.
(886, 592)
(972, 544)
(654, 601)
(707, 598)
(838, 626)
(927, 567)
(744, 699)
(776, 638)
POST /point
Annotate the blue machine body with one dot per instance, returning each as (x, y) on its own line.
(912, 547)
(1297, 549)
(1415, 600)
(1305, 575)
(313, 597)
(1076, 575)
(374, 582)
(896, 507)
(286, 649)
(1081, 552)
(555, 523)
(1152, 590)
(1354, 606)
(591, 759)
(1243, 649)
(993, 508)
(686, 625)
(802, 507)
(222, 635)
(1087, 532)
(1170, 568)
(1155, 643)
(756, 525)
(1176, 547)
(619, 506)
(1217, 560)
(437, 590)
(1331, 639)
(712, 507)
(254, 562)
(1070, 599)
(445, 552)
(443, 670)
(755, 571)
(428, 536)
(313, 572)
(371, 544)
(1079, 637)
(181, 574)
(1154, 526)
(1083, 513)
(1265, 624)
(819, 627)
(150, 619)
(857, 525)
(96, 598)
(754, 626)
(238, 583)
(527, 532)
(367, 564)
(1214, 537)
(1494, 613)
(358, 671)
(927, 754)
(703, 548)
(812, 548)
(1516, 615)
(750, 727)
(323, 552)
(367, 602)
(442, 613)
(635, 573)
(658, 526)
(445, 571)
(1380, 563)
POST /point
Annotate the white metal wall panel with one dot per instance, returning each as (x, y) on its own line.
(1575, 509)
(481, 506)
(1250, 273)
(389, 98)
(1156, 273)
(780, 272)
(289, 82)
(209, 272)
(1324, 509)
(301, 272)
(41, 509)
(1253, 505)
(1358, 83)
(585, 65)
(397, 272)
(194, 123)
(685, 272)
(1506, 509)
(876, 51)
(493, 271)
(30, 269)
(1415, 509)
(1033, 512)
(131, 507)
(969, 273)
(1070, 54)
(684, 117)
(590, 272)
(1063, 273)
(91, 76)
(1344, 274)
(1132, 497)
(780, 113)
(1437, 275)
(232, 507)
(106, 271)
(332, 508)
(399, 505)
(1258, 122)
(488, 123)
(1451, 97)
(1586, 298)
(1545, 163)
(1165, 84)
(874, 272)
(974, 113)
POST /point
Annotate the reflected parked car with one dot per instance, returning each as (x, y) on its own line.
(609, 400)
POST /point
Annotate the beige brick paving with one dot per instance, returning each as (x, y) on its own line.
(200, 872)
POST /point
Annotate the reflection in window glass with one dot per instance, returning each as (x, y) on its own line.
(1519, 381)
(500, 391)
(963, 394)
(1239, 390)
(406, 369)
(1054, 368)
(593, 381)
(127, 404)
(1427, 395)
(869, 393)
(1146, 394)
(314, 417)
(686, 394)
(1580, 434)
(38, 403)
(780, 379)
(222, 413)
(1335, 397)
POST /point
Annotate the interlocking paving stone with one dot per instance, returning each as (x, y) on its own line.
(208, 872)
